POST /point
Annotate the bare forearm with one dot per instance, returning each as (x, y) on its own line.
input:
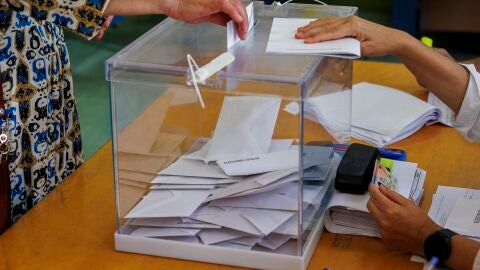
(441, 75)
(136, 7)
(464, 251)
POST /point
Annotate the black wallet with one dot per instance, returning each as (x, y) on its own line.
(355, 171)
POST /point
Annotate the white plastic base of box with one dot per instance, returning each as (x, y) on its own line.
(219, 255)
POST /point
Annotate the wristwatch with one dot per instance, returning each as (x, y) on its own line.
(439, 244)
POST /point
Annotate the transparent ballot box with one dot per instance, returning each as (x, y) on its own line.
(243, 180)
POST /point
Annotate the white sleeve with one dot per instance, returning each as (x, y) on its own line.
(468, 118)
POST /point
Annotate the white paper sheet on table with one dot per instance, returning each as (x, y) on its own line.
(445, 199)
(333, 111)
(464, 218)
(282, 41)
(443, 202)
(173, 222)
(246, 119)
(169, 203)
(379, 115)
(389, 112)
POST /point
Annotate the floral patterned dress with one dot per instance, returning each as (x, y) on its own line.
(37, 87)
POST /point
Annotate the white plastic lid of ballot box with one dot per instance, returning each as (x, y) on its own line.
(243, 180)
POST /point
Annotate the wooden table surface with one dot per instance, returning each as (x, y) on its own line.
(73, 227)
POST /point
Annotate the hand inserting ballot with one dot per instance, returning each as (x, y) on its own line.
(191, 11)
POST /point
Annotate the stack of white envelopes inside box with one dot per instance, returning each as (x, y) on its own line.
(240, 188)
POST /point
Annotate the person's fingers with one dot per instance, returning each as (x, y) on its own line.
(108, 21)
(219, 18)
(242, 28)
(100, 34)
(380, 200)
(393, 196)
(374, 211)
(231, 10)
(104, 27)
(318, 23)
(444, 52)
(312, 32)
(330, 34)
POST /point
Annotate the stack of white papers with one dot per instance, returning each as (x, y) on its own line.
(457, 209)
(348, 213)
(282, 41)
(379, 115)
(239, 189)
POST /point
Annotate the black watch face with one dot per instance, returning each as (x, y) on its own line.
(437, 246)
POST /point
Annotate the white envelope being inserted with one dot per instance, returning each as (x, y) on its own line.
(244, 128)
(169, 203)
(232, 35)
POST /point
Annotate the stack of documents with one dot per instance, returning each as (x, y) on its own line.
(348, 213)
(457, 209)
(380, 115)
(240, 188)
(282, 41)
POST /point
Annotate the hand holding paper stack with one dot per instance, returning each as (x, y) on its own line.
(282, 41)
(348, 213)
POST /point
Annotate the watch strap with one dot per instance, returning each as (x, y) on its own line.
(447, 233)
(429, 250)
